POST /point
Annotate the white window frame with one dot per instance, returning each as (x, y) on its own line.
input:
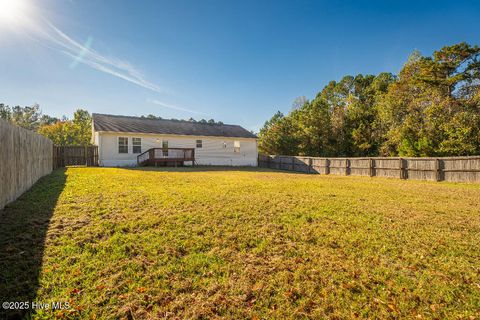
(135, 141)
(199, 144)
(236, 146)
(123, 145)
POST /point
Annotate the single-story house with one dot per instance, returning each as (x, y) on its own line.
(122, 139)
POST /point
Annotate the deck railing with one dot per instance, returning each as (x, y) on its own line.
(154, 156)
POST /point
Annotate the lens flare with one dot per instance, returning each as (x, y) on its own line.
(13, 12)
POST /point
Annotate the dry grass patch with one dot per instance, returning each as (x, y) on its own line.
(198, 243)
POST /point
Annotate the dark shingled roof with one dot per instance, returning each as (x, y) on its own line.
(107, 122)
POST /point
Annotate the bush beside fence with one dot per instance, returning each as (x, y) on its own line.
(455, 169)
(25, 157)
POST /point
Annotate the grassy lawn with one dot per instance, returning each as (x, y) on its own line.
(145, 244)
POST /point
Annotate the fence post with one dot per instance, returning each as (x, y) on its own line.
(437, 170)
(309, 165)
(370, 167)
(402, 169)
(327, 166)
(347, 167)
(293, 163)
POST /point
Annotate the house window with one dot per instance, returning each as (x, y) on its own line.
(199, 143)
(122, 145)
(137, 145)
(236, 146)
(165, 148)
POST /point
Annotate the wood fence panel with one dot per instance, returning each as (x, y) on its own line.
(280, 163)
(301, 164)
(387, 167)
(274, 163)
(461, 169)
(360, 166)
(75, 156)
(320, 165)
(25, 157)
(455, 169)
(422, 169)
(92, 156)
(338, 166)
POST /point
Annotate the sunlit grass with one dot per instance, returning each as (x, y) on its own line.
(189, 243)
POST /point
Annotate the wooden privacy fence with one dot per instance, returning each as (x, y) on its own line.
(456, 169)
(25, 157)
(75, 156)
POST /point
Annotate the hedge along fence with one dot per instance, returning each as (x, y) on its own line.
(25, 157)
(456, 169)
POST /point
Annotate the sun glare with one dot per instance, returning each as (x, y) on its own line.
(13, 12)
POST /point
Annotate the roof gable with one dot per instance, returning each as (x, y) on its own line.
(114, 123)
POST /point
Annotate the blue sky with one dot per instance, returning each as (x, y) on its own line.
(234, 61)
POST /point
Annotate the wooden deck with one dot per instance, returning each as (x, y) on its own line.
(166, 157)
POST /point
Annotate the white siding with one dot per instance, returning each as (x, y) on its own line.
(211, 153)
(95, 138)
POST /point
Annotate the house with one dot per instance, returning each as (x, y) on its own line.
(131, 141)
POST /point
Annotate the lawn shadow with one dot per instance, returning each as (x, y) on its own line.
(23, 229)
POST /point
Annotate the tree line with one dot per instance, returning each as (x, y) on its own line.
(431, 108)
(203, 121)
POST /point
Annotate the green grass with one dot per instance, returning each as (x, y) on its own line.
(199, 243)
